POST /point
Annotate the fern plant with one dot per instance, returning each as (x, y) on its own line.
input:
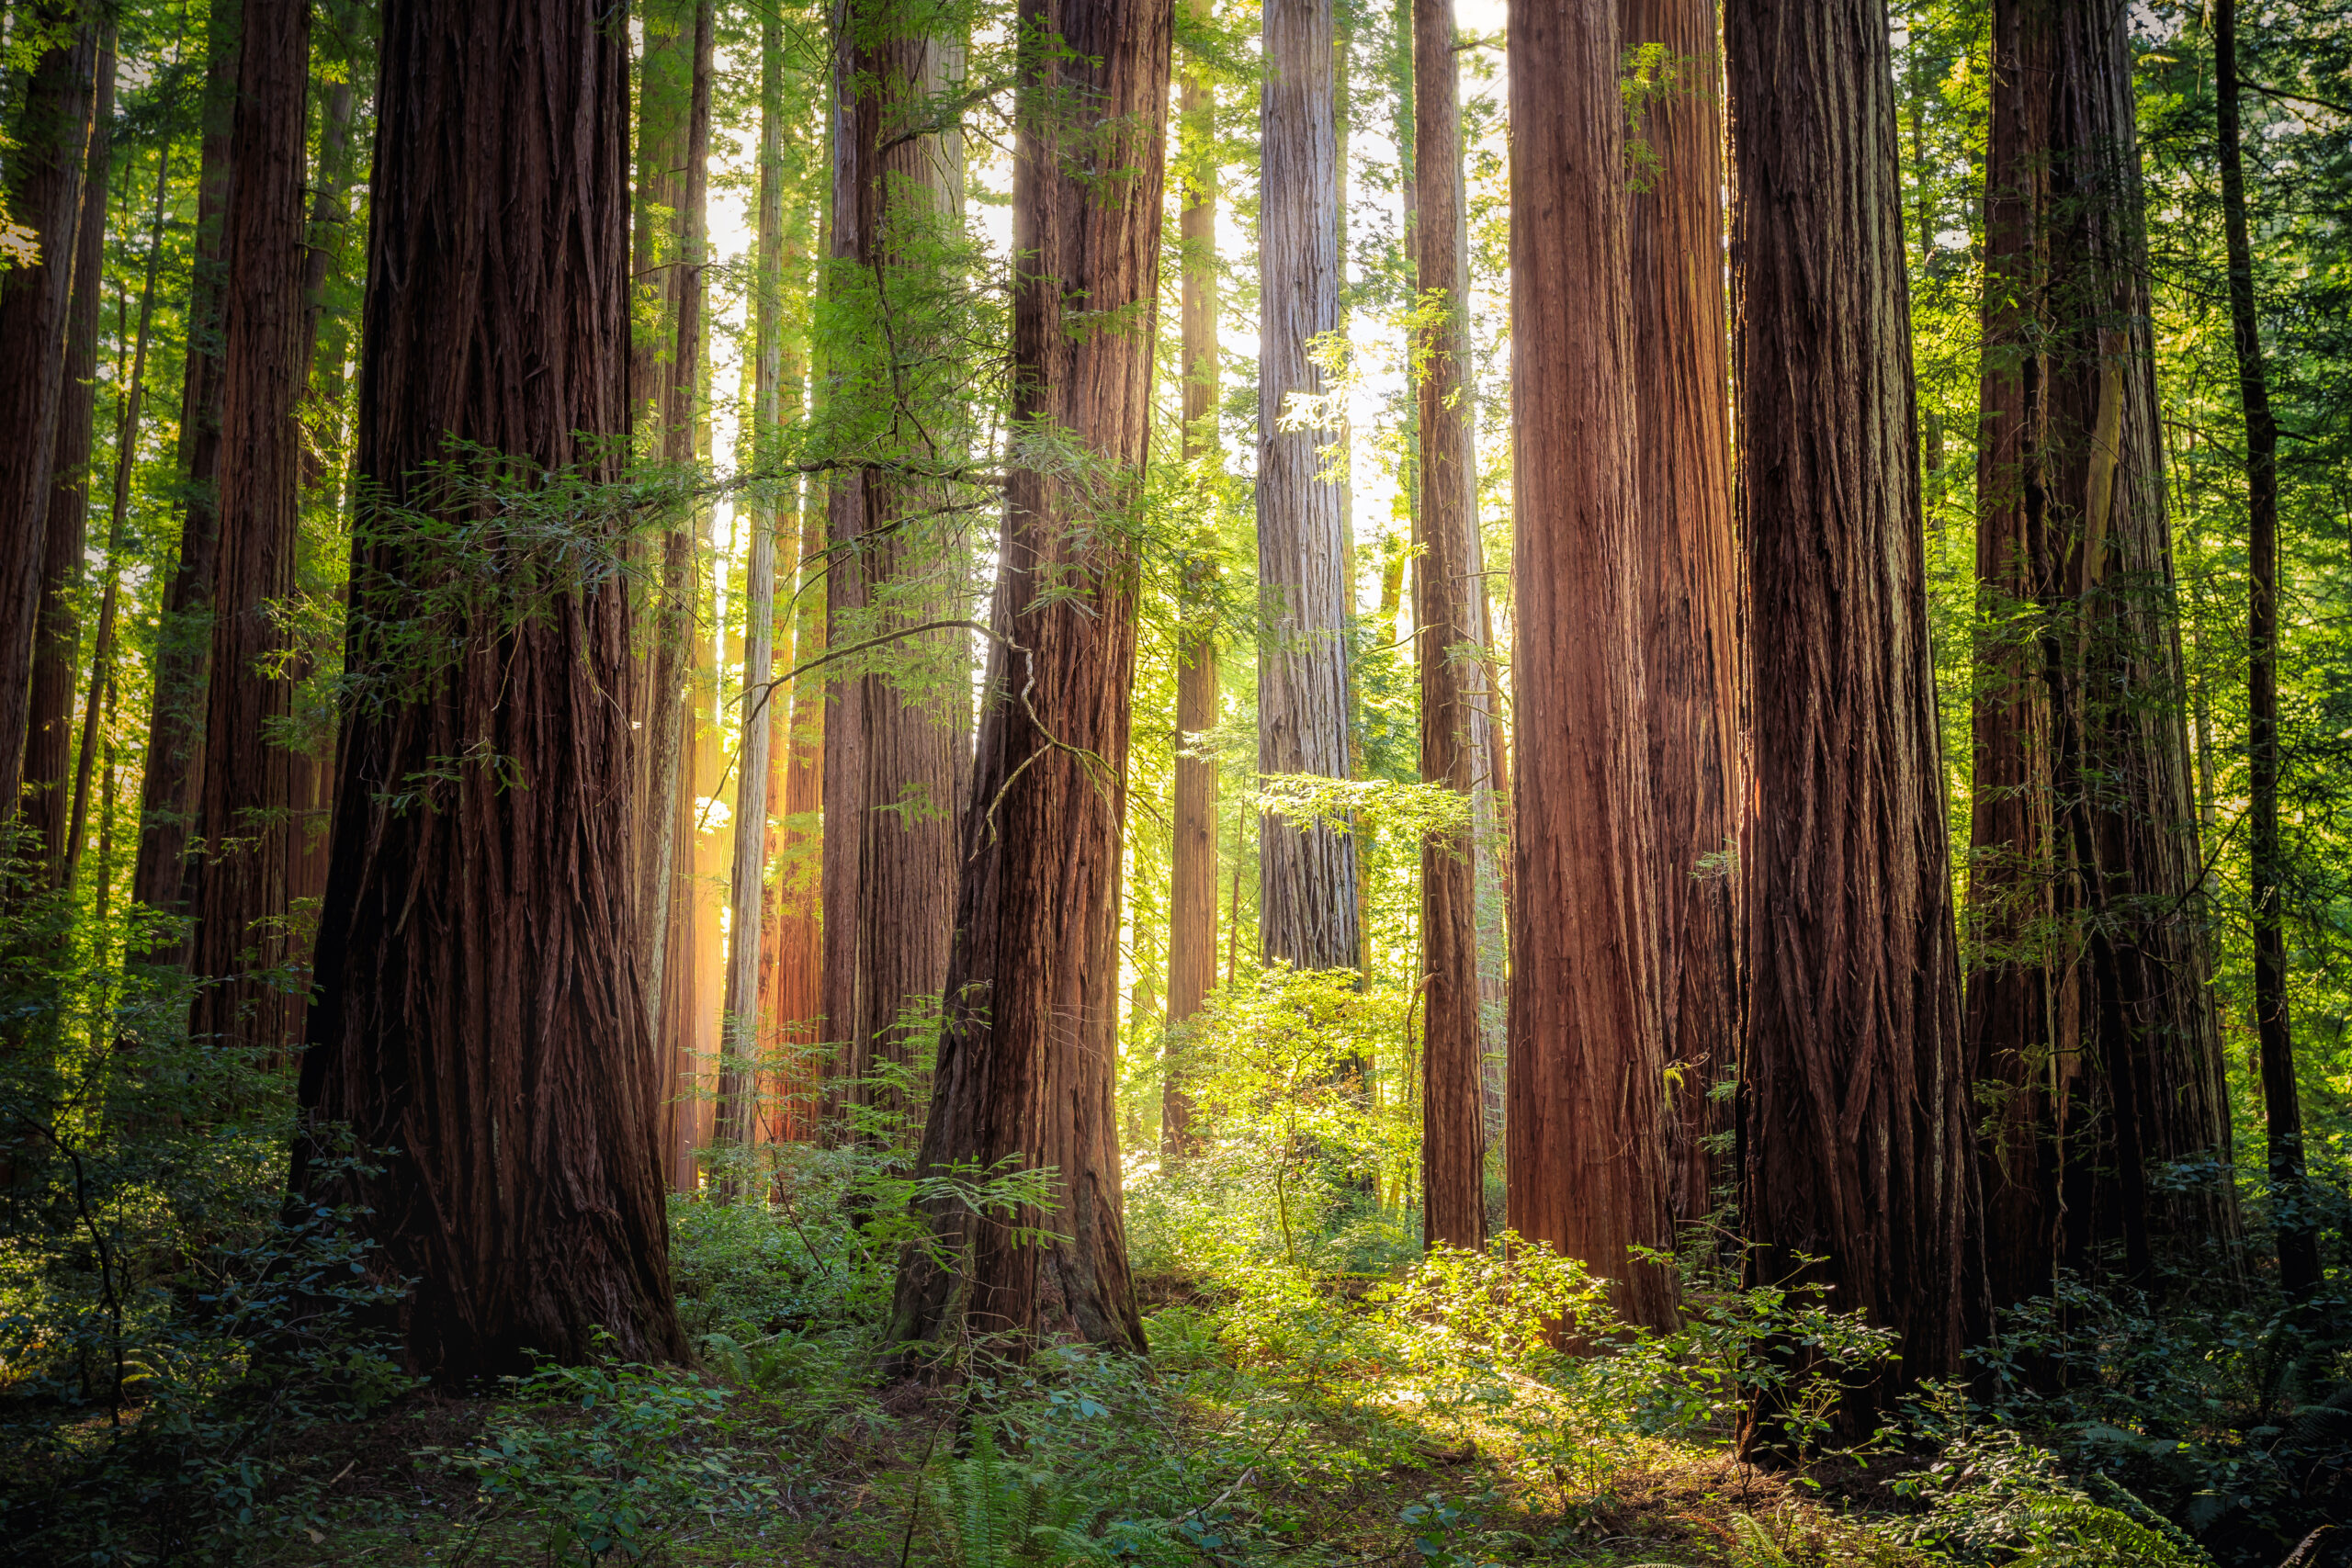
(987, 1510)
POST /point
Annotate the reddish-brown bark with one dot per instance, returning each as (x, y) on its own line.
(1448, 630)
(1586, 1144)
(480, 1010)
(1854, 1117)
(44, 179)
(1690, 618)
(246, 786)
(1026, 1063)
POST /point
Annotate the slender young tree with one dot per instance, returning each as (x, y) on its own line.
(1306, 896)
(894, 751)
(1446, 649)
(2298, 1229)
(184, 643)
(57, 639)
(1854, 1114)
(478, 1009)
(246, 786)
(1586, 1162)
(43, 183)
(2091, 1003)
(1026, 1060)
(1191, 883)
(1690, 567)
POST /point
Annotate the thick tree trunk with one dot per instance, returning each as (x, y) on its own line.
(1192, 882)
(184, 642)
(479, 1006)
(239, 873)
(44, 177)
(1586, 1155)
(793, 982)
(1026, 1062)
(894, 752)
(1689, 565)
(2296, 1227)
(2091, 1003)
(1306, 874)
(1854, 1117)
(57, 637)
(1446, 649)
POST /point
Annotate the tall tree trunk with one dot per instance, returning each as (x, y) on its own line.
(2297, 1230)
(1026, 1062)
(1191, 883)
(247, 783)
(43, 183)
(1306, 874)
(184, 642)
(793, 985)
(1446, 650)
(1586, 1160)
(479, 1006)
(1690, 567)
(1854, 1117)
(2092, 1004)
(57, 637)
(895, 752)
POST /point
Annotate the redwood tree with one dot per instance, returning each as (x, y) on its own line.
(1690, 567)
(1026, 1061)
(2090, 1003)
(1854, 1113)
(1307, 873)
(480, 1010)
(1447, 625)
(43, 185)
(246, 789)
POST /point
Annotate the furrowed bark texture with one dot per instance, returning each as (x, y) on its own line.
(2091, 1002)
(1026, 1061)
(184, 642)
(1690, 564)
(1446, 627)
(1854, 1132)
(1191, 883)
(891, 829)
(1306, 874)
(44, 178)
(478, 1005)
(246, 786)
(2298, 1228)
(793, 982)
(1586, 1140)
(57, 637)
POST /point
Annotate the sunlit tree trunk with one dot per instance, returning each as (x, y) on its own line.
(1192, 890)
(1026, 1064)
(44, 174)
(1855, 1115)
(246, 786)
(1306, 874)
(1447, 647)
(478, 1009)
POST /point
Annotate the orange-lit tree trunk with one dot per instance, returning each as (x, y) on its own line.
(792, 978)
(478, 1009)
(184, 641)
(1307, 873)
(43, 183)
(1191, 883)
(1690, 563)
(57, 637)
(246, 786)
(894, 752)
(1446, 616)
(1026, 1062)
(2092, 1003)
(1854, 1114)
(1586, 1168)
